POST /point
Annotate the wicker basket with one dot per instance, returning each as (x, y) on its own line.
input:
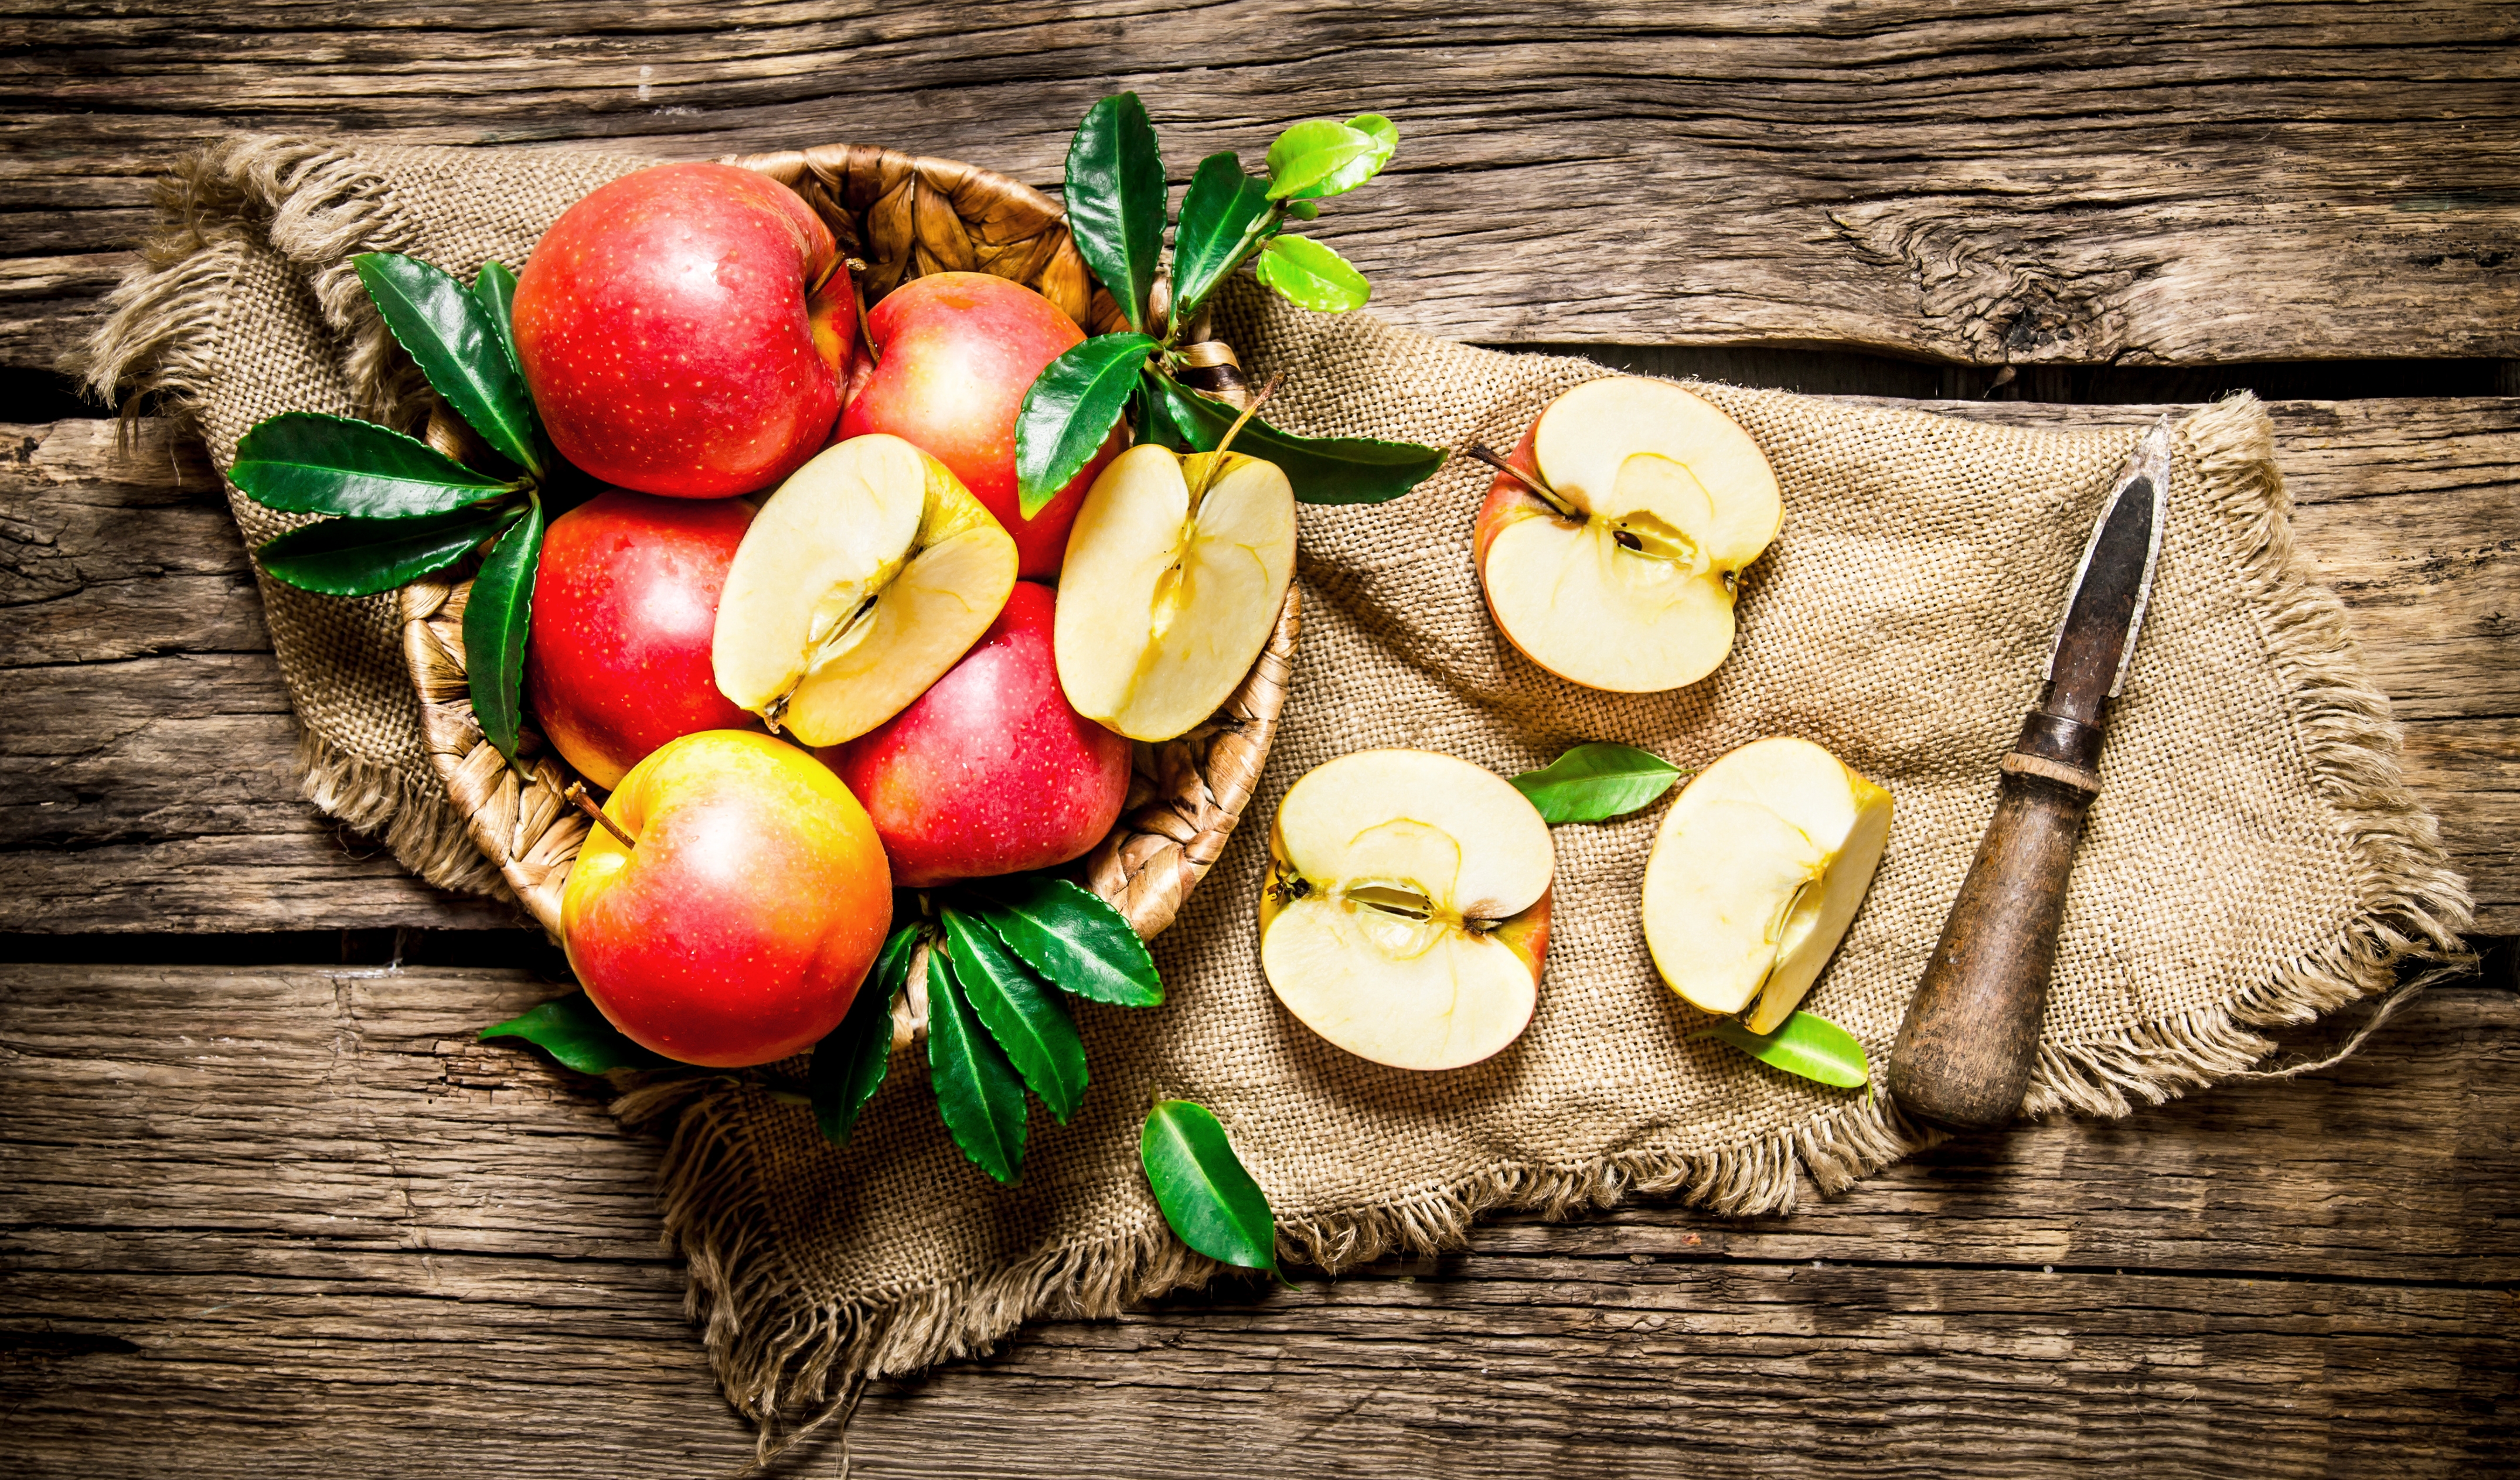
(903, 217)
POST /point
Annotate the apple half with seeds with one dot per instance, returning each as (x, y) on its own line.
(1609, 556)
(1756, 874)
(1404, 916)
(870, 572)
(1176, 568)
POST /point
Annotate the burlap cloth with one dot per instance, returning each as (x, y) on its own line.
(2254, 860)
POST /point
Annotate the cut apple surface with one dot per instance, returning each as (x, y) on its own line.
(1175, 571)
(1611, 562)
(868, 573)
(1406, 913)
(1757, 873)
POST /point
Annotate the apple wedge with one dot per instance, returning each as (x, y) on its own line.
(1610, 559)
(1757, 873)
(1175, 570)
(864, 577)
(1406, 913)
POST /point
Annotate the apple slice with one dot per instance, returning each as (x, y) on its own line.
(1406, 913)
(1175, 570)
(1610, 562)
(868, 574)
(1757, 873)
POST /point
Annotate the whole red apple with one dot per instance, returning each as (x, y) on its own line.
(990, 770)
(683, 330)
(737, 925)
(954, 352)
(625, 604)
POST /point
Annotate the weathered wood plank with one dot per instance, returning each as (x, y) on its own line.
(2022, 183)
(292, 1222)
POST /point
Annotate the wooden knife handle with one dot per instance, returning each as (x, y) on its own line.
(1971, 1035)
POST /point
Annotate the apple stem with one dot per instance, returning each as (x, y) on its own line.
(1199, 498)
(576, 793)
(1548, 495)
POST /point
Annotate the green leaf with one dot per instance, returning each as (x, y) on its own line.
(300, 462)
(494, 287)
(1020, 1012)
(363, 557)
(1071, 935)
(1807, 1045)
(463, 355)
(1309, 274)
(849, 1064)
(496, 619)
(1223, 215)
(1211, 1202)
(1598, 781)
(574, 1031)
(977, 1094)
(1115, 200)
(1070, 409)
(1324, 470)
(1319, 158)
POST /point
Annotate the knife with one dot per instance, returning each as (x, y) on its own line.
(1963, 1055)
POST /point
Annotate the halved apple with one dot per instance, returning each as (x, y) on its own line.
(1612, 564)
(1175, 570)
(1406, 913)
(1757, 873)
(867, 574)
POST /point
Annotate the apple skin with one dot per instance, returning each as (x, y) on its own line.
(954, 352)
(737, 928)
(682, 330)
(625, 604)
(1508, 499)
(990, 770)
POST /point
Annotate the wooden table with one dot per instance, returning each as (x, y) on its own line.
(267, 1209)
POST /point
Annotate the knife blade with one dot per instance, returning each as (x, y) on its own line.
(1970, 1037)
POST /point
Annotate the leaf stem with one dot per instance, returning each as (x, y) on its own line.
(576, 793)
(1547, 494)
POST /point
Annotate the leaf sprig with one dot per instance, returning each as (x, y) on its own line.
(1117, 210)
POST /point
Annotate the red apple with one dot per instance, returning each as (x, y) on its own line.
(683, 330)
(990, 770)
(737, 925)
(625, 603)
(955, 353)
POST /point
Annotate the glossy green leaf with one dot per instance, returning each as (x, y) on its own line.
(978, 1096)
(1070, 936)
(363, 557)
(1224, 215)
(1598, 781)
(494, 287)
(1070, 409)
(1115, 200)
(496, 619)
(573, 1030)
(1208, 1196)
(1021, 1010)
(1309, 274)
(1316, 159)
(1323, 470)
(300, 462)
(850, 1063)
(1805, 1044)
(466, 358)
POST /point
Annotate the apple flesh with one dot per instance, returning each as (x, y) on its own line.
(954, 354)
(736, 927)
(990, 770)
(1756, 873)
(1175, 571)
(683, 330)
(1622, 576)
(1406, 913)
(625, 602)
(865, 577)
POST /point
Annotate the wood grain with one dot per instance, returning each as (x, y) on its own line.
(2038, 182)
(295, 1222)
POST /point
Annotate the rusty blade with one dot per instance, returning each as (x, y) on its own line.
(2088, 666)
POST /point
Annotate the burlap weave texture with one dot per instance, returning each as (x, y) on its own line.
(2254, 858)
